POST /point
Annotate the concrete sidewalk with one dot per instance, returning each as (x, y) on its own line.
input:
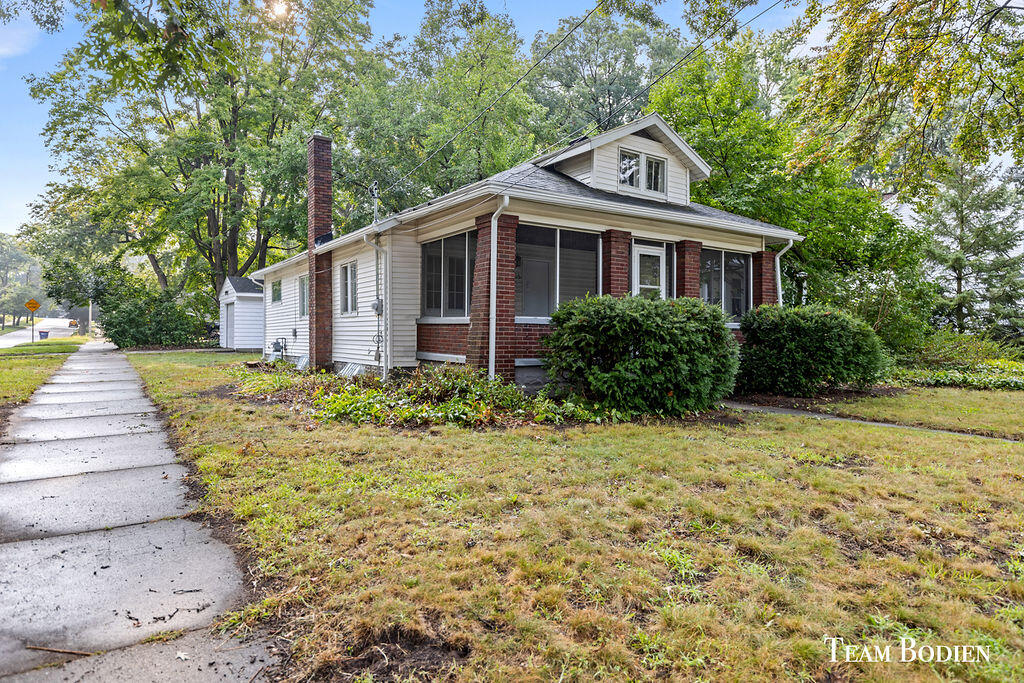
(94, 551)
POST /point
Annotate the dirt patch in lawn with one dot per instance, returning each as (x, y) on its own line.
(816, 403)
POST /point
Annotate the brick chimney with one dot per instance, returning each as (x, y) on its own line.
(320, 197)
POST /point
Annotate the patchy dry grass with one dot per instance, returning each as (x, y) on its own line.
(19, 377)
(623, 552)
(995, 413)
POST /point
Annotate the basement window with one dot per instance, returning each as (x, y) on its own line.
(347, 288)
(447, 276)
(725, 278)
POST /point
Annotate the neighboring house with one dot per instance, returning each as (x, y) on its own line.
(241, 314)
(609, 214)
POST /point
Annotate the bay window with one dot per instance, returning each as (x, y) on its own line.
(553, 266)
(725, 281)
(447, 276)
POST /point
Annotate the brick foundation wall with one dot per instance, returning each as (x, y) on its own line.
(764, 278)
(615, 262)
(444, 338)
(320, 196)
(688, 268)
(528, 339)
(477, 346)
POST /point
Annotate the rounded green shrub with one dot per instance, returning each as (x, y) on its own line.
(641, 355)
(803, 350)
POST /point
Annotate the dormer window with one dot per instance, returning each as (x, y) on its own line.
(629, 169)
(638, 171)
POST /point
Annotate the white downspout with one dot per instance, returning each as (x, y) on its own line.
(385, 308)
(492, 322)
(778, 270)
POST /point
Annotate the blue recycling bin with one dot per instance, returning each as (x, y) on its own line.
(44, 334)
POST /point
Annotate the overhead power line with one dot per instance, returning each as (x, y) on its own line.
(499, 97)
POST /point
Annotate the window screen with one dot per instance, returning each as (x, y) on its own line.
(535, 271)
(577, 265)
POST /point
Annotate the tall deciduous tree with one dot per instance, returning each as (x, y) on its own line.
(589, 80)
(975, 220)
(893, 73)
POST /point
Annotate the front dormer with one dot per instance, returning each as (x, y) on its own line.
(644, 159)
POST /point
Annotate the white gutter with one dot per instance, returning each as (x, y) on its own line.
(778, 270)
(492, 323)
(382, 294)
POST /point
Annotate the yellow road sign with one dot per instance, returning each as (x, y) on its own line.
(32, 305)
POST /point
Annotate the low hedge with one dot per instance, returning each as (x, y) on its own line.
(642, 356)
(803, 350)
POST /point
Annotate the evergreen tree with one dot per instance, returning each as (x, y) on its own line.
(977, 237)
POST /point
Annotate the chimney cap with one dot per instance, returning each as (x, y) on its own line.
(319, 135)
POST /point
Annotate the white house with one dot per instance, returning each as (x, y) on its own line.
(241, 314)
(609, 214)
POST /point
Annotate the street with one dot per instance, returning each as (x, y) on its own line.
(57, 327)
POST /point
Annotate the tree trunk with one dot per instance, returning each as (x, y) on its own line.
(161, 276)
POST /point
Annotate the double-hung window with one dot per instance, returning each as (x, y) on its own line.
(347, 288)
(447, 276)
(303, 296)
(275, 291)
(643, 172)
(725, 278)
(552, 266)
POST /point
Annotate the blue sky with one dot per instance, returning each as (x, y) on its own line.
(24, 50)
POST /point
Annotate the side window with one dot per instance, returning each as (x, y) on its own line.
(347, 298)
(629, 169)
(303, 296)
(275, 291)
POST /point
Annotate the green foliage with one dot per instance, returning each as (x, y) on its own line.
(802, 350)
(975, 222)
(642, 355)
(949, 349)
(143, 317)
(988, 374)
(444, 395)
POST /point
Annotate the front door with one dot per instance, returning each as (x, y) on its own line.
(648, 272)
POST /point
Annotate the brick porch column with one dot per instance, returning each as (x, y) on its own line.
(615, 262)
(764, 278)
(320, 193)
(480, 307)
(688, 268)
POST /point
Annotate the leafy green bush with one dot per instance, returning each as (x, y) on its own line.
(641, 355)
(444, 395)
(802, 350)
(140, 317)
(949, 349)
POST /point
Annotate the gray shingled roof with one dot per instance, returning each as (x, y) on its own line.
(243, 285)
(533, 177)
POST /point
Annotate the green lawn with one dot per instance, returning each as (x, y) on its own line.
(994, 413)
(626, 551)
(12, 328)
(19, 377)
(57, 345)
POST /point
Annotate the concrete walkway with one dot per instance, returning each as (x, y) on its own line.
(94, 553)
(796, 412)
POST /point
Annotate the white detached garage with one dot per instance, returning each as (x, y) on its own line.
(241, 314)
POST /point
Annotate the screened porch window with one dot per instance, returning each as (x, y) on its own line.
(447, 276)
(725, 281)
(552, 266)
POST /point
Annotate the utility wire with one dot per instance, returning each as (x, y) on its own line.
(499, 97)
(575, 134)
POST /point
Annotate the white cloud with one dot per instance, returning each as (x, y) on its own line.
(17, 38)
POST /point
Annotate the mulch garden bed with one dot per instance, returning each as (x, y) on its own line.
(815, 404)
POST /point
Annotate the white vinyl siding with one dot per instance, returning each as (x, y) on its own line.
(282, 317)
(404, 252)
(606, 169)
(578, 167)
(354, 332)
